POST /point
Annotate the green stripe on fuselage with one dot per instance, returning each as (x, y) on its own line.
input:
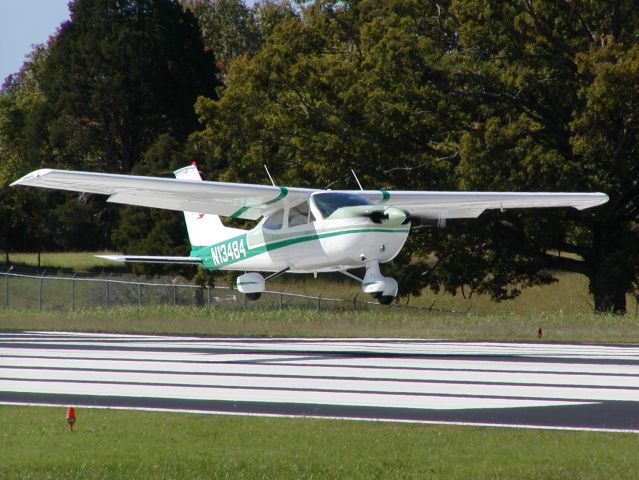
(282, 194)
(233, 250)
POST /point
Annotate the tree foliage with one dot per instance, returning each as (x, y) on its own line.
(120, 73)
(232, 29)
(494, 95)
(115, 78)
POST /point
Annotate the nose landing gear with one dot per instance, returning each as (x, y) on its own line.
(384, 289)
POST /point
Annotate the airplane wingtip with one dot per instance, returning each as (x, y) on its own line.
(29, 178)
(598, 198)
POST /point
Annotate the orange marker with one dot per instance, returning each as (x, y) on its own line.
(71, 417)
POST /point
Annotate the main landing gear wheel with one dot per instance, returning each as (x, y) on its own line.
(377, 295)
(385, 299)
(254, 296)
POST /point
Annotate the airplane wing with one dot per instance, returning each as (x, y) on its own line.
(472, 204)
(240, 200)
(152, 259)
(237, 200)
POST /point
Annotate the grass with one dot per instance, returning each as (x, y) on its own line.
(134, 444)
(374, 322)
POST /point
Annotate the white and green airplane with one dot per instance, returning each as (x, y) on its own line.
(301, 230)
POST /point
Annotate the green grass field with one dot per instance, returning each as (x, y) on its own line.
(377, 322)
(111, 444)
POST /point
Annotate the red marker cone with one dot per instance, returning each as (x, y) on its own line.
(71, 417)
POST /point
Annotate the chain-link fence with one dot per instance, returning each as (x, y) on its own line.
(30, 289)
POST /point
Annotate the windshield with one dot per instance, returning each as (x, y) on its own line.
(328, 202)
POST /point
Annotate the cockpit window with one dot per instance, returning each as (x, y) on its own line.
(328, 202)
(275, 221)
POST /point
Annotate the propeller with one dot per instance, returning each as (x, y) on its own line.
(376, 216)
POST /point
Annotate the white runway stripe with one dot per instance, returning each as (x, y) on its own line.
(99, 359)
(283, 383)
(228, 368)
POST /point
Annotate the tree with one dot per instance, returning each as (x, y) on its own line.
(232, 29)
(22, 143)
(342, 88)
(114, 78)
(120, 73)
(551, 92)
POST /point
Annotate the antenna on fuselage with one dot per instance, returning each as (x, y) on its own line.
(356, 179)
(269, 175)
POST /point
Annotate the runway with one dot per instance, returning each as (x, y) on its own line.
(533, 385)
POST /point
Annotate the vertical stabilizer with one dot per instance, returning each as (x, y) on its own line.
(204, 229)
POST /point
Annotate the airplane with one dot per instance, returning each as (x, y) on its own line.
(301, 230)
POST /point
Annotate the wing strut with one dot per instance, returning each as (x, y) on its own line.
(350, 275)
(277, 274)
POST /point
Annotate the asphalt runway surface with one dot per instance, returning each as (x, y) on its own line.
(534, 385)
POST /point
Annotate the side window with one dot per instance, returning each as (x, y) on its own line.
(275, 221)
(298, 215)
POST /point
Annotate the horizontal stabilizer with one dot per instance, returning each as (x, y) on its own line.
(152, 259)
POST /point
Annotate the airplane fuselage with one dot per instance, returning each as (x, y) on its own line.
(319, 246)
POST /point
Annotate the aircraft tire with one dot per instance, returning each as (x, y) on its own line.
(376, 295)
(254, 296)
(385, 299)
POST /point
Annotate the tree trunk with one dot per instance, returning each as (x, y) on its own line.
(609, 298)
(611, 274)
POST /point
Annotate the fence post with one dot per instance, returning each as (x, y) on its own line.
(244, 299)
(280, 301)
(319, 299)
(106, 294)
(208, 296)
(139, 295)
(6, 287)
